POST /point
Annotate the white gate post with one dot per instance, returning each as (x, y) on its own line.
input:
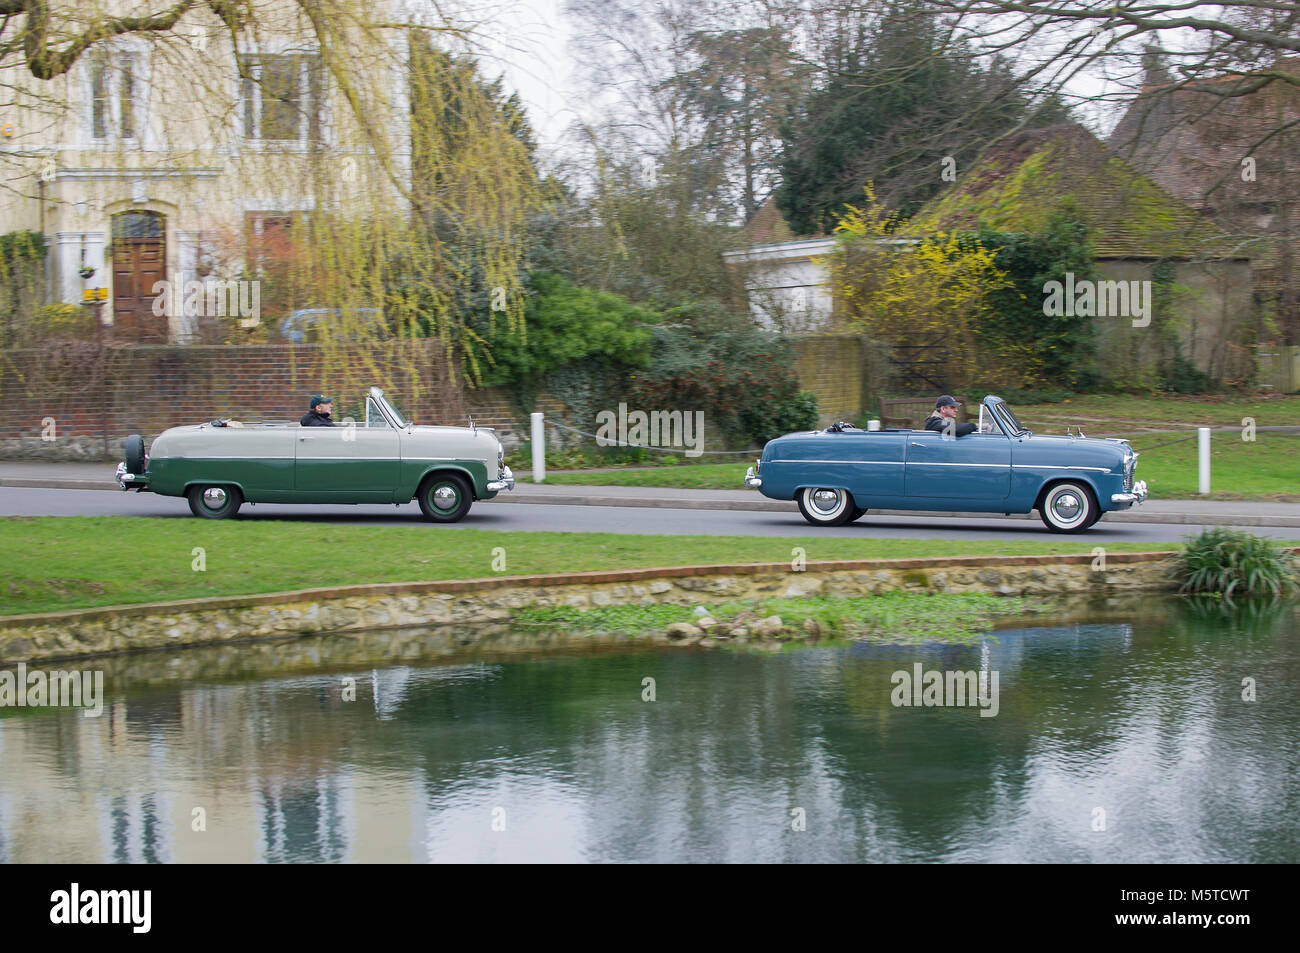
(539, 449)
(1203, 439)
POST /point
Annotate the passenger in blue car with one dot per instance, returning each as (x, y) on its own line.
(944, 418)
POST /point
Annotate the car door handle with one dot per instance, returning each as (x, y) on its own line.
(301, 439)
(915, 444)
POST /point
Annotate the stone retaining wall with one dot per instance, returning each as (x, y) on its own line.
(472, 602)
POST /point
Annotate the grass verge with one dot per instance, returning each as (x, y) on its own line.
(49, 564)
(893, 617)
(1195, 411)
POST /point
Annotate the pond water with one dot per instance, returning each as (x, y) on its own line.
(1120, 735)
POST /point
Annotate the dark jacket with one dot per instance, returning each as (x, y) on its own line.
(937, 422)
(313, 419)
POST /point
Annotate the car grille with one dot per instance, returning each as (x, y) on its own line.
(1129, 467)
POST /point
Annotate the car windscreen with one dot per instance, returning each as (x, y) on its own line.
(392, 411)
(1016, 426)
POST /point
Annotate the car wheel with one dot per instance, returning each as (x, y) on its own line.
(444, 498)
(214, 501)
(1068, 508)
(823, 506)
(134, 454)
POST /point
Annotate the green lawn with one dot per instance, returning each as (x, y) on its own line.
(1268, 468)
(688, 476)
(50, 563)
(1193, 411)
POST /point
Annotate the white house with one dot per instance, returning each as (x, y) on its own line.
(787, 284)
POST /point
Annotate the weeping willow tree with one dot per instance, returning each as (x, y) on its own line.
(347, 157)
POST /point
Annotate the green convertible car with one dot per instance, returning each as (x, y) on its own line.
(220, 465)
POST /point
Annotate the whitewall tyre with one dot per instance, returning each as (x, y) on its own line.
(1069, 508)
(825, 506)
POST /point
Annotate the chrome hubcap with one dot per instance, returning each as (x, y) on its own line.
(444, 497)
(214, 497)
(826, 502)
(1067, 507)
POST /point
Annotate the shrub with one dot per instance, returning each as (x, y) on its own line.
(1061, 349)
(66, 320)
(1226, 562)
(22, 257)
(741, 378)
(564, 325)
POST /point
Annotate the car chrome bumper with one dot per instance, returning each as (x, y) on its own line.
(507, 482)
(1138, 494)
(751, 481)
(130, 481)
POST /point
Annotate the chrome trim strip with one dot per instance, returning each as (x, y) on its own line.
(935, 463)
(251, 458)
(931, 463)
(1046, 466)
(897, 463)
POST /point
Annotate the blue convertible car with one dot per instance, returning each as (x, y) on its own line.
(837, 474)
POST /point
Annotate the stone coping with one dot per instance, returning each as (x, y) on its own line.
(562, 579)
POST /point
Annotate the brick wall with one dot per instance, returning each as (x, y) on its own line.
(145, 390)
(835, 368)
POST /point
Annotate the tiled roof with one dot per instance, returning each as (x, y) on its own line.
(768, 226)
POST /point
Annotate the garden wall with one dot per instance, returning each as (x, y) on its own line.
(96, 398)
(1213, 317)
(835, 368)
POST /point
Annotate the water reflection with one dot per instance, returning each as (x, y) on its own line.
(1135, 711)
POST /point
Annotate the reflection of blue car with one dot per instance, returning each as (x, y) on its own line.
(304, 325)
(837, 474)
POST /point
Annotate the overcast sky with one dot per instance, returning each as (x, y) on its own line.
(528, 41)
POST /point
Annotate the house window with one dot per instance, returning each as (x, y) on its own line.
(114, 88)
(282, 95)
(269, 239)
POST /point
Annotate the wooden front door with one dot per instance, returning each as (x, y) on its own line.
(139, 261)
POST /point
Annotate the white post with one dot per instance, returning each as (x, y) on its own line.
(539, 449)
(1203, 439)
(873, 424)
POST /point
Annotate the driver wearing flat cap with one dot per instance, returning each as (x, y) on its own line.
(944, 418)
(319, 414)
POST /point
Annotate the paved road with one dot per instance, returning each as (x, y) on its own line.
(23, 501)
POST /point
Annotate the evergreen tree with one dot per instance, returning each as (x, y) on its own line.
(893, 111)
